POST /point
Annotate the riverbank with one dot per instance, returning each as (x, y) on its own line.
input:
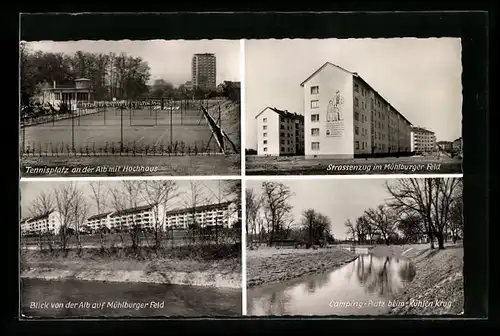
(438, 279)
(90, 266)
(269, 265)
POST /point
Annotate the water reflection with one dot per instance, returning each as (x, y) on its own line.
(162, 300)
(362, 287)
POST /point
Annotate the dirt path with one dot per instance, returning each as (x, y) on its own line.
(266, 266)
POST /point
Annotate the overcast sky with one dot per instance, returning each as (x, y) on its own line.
(337, 199)
(419, 77)
(30, 190)
(170, 60)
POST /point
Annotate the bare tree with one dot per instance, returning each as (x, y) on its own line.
(316, 225)
(276, 207)
(99, 196)
(65, 196)
(126, 197)
(81, 211)
(350, 229)
(158, 194)
(456, 220)
(253, 204)
(431, 198)
(41, 206)
(194, 201)
(383, 219)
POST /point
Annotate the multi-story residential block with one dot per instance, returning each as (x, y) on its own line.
(446, 146)
(203, 71)
(422, 140)
(222, 214)
(346, 117)
(279, 132)
(153, 217)
(45, 223)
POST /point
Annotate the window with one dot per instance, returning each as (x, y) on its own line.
(356, 87)
(264, 127)
(356, 130)
(372, 103)
(265, 149)
(282, 149)
(314, 89)
(356, 102)
(264, 135)
(288, 142)
(314, 131)
(282, 127)
(314, 104)
(356, 116)
(315, 145)
(314, 117)
(265, 142)
(357, 144)
(282, 134)
(363, 145)
(282, 142)
(264, 120)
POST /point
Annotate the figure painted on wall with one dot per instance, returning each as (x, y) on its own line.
(338, 101)
(330, 112)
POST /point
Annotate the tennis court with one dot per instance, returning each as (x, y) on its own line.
(136, 127)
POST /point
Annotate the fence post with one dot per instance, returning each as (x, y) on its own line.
(72, 129)
(171, 126)
(121, 130)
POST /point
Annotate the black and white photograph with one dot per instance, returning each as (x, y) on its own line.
(353, 106)
(130, 248)
(354, 247)
(130, 108)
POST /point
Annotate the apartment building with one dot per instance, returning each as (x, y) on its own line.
(154, 216)
(346, 117)
(279, 132)
(457, 145)
(422, 140)
(204, 71)
(222, 214)
(45, 223)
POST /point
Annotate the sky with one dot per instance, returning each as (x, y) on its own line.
(30, 190)
(169, 60)
(336, 199)
(419, 77)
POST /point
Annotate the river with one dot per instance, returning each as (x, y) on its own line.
(365, 286)
(79, 299)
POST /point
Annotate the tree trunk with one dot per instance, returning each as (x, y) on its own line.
(440, 239)
(431, 238)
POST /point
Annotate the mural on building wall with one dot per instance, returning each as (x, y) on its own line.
(334, 116)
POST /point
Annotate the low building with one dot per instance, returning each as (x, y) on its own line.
(346, 117)
(445, 146)
(279, 132)
(80, 92)
(422, 140)
(49, 222)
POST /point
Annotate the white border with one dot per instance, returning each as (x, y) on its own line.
(242, 106)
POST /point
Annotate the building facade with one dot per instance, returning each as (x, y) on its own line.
(222, 214)
(423, 140)
(80, 92)
(204, 71)
(155, 217)
(45, 223)
(445, 146)
(279, 132)
(345, 117)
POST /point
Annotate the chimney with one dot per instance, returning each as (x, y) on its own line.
(54, 84)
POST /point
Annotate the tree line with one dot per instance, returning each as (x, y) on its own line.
(269, 218)
(418, 210)
(73, 207)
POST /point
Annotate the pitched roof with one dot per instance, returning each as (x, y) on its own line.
(133, 210)
(284, 113)
(421, 129)
(99, 216)
(355, 74)
(198, 208)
